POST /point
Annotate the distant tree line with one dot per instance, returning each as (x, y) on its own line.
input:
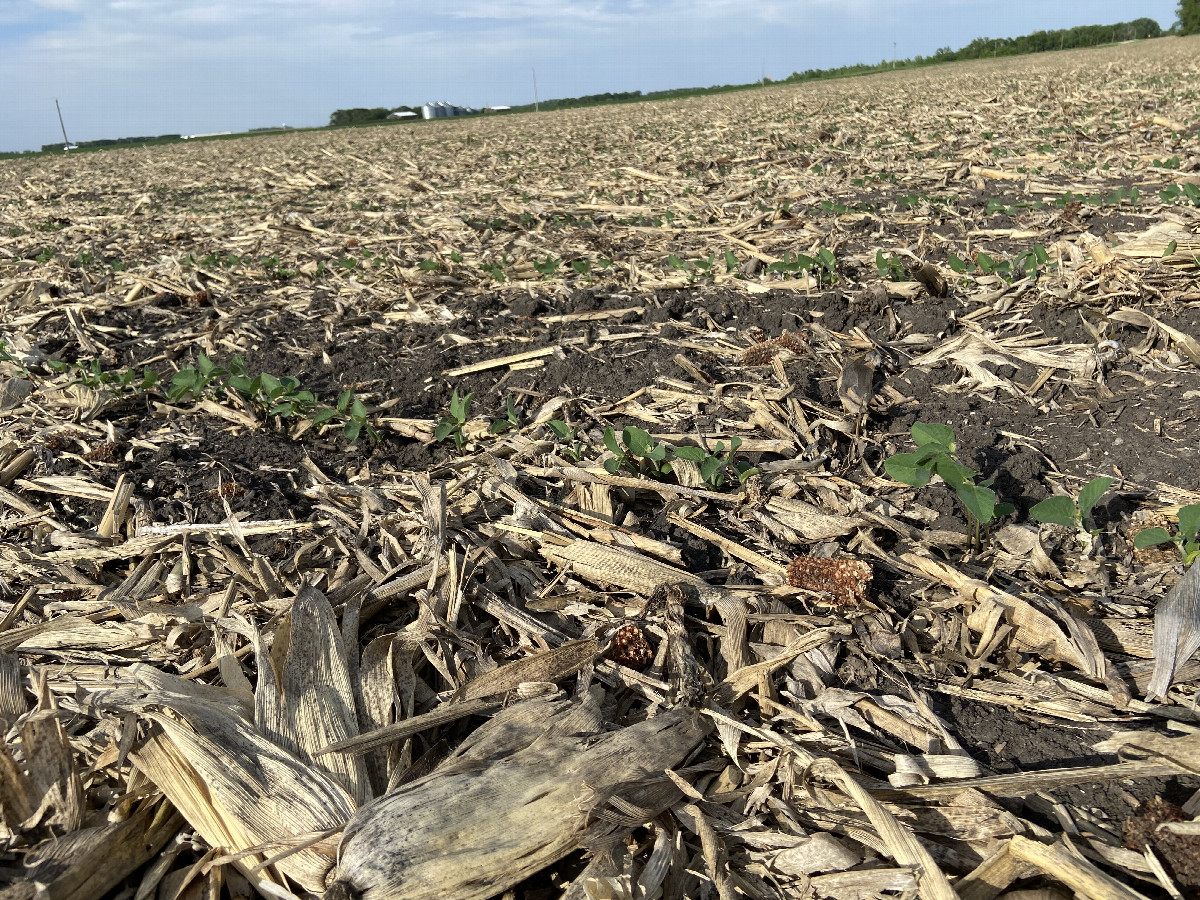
(1189, 16)
(586, 100)
(1038, 42)
(361, 116)
(113, 142)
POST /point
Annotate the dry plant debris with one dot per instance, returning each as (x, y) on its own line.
(262, 633)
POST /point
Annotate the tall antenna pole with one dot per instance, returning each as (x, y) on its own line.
(535, 96)
(66, 143)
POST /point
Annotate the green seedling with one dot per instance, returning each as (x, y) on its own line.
(353, 414)
(719, 465)
(637, 453)
(569, 437)
(273, 396)
(508, 421)
(192, 382)
(548, 267)
(890, 268)
(91, 375)
(1186, 538)
(451, 426)
(935, 456)
(1071, 512)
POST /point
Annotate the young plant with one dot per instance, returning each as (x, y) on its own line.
(1071, 512)
(93, 376)
(568, 437)
(548, 267)
(508, 421)
(935, 456)
(192, 382)
(273, 396)
(890, 268)
(451, 426)
(353, 414)
(715, 467)
(1186, 538)
(637, 453)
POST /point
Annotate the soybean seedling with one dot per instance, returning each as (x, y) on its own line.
(451, 426)
(508, 421)
(1071, 512)
(1186, 539)
(636, 452)
(353, 413)
(568, 437)
(935, 456)
(715, 467)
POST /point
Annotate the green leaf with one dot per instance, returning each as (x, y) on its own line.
(828, 260)
(924, 433)
(351, 430)
(1004, 509)
(695, 454)
(560, 428)
(731, 261)
(270, 384)
(709, 467)
(1057, 510)
(957, 264)
(283, 409)
(242, 384)
(610, 441)
(1170, 251)
(1091, 492)
(955, 473)
(325, 413)
(658, 454)
(979, 501)
(1189, 521)
(499, 426)
(611, 465)
(428, 265)
(986, 264)
(734, 443)
(357, 409)
(638, 441)
(905, 468)
(204, 365)
(1151, 537)
(676, 263)
(444, 429)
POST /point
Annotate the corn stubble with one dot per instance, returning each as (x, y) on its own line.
(521, 793)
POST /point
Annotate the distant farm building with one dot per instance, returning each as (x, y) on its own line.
(403, 114)
(443, 110)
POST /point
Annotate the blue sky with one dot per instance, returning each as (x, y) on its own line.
(144, 67)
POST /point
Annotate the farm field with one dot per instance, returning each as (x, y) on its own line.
(596, 418)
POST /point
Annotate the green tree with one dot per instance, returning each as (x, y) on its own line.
(1189, 16)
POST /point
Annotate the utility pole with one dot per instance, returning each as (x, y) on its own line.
(535, 96)
(66, 143)
(893, 54)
